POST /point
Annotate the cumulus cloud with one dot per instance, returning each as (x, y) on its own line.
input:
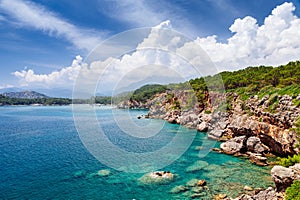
(164, 56)
(62, 78)
(29, 14)
(275, 42)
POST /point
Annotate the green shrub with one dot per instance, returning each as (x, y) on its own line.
(293, 192)
(207, 112)
(289, 161)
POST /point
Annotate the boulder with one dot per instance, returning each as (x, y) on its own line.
(284, 177)
(258, 159)
(158, 177)
(215, 134)
(201, 183)
(234, 145)
(220, 196)
(268, 194)
(203, 126)
(172, 120)
(254, 145)
(248, 188)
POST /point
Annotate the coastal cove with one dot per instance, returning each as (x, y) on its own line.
(43, 158)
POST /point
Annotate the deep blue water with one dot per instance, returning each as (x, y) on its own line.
(42, 157)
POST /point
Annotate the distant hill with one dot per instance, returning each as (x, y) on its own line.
(25, 95)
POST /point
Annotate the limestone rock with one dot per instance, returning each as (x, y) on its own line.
(203, 126)
(234, 145)
(248, 188)
(220, 196)
(215, 134)
(201, 183)
(258, 159)
(159, 177)
(268, 194)
(254, 145)
(284, 177)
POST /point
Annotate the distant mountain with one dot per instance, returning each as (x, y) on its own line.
(25, 95)
(11, 89)
(55, 92)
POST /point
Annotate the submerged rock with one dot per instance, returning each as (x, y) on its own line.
(192, 182)
(248, 188)
(201, 183)
(103, 172)
(79, 174)
(198, 165)
(258, 159)
(198, 195)
(197, 189)
(220, 196)
(158, 177)
(179, 189)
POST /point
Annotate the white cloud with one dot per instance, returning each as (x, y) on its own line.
(63, 78)
(6, 86)
(273, 43)
(135, 12)
(145, 13)
(29, 14)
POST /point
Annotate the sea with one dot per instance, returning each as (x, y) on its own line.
(43, 157)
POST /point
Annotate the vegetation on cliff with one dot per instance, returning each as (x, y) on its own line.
(147, 91)
(260, 80)
(289, 161)
(293, 192)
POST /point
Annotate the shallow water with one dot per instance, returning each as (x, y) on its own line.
(42, 157)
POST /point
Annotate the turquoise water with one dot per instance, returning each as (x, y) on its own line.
(42, 157)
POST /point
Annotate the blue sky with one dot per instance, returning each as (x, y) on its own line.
(47, 35)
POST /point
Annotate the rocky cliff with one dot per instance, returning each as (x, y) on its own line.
(255, 127)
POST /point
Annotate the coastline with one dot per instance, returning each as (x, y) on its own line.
(247, 130)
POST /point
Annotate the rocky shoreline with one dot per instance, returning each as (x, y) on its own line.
(248, 128)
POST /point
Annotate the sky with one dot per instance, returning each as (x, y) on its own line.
(45, 44)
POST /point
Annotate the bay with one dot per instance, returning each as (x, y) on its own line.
(42, 157)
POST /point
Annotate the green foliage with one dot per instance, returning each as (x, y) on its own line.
(293, 192)
(297, 103)
(44, 101)
(207, 112)
(103, 100)
(261, 81)
(297, 129)
(147, 91)
(264, 79)
(289, 161)
(176, 105)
